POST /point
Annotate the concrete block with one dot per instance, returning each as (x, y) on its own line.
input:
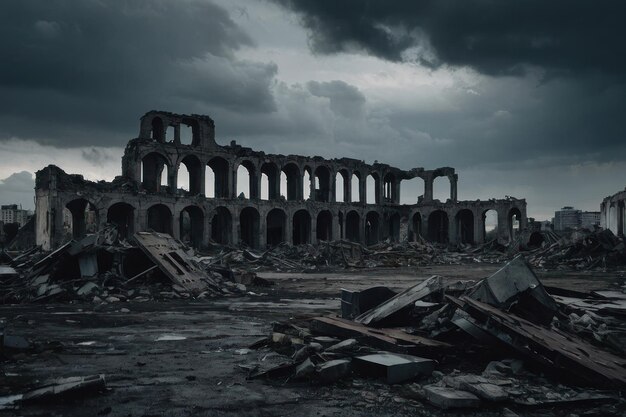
(332, 371)
(445, 398)
(393, 367)
(305, 369)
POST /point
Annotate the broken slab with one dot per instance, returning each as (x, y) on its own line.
(305, 369)
(478, 385)
(392, 367)
(173, 261)
(332, 371)
(404, 299)
(64, 388)
(446, 398)
(553, 348)
(394, 340)
(353, 303)
(516, 283)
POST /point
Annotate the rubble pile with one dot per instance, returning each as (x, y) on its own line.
(582, 250)
(506, 341)
(329, 255)
(104, 269)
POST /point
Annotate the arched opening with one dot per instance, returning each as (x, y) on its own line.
(243, 182)
(340, 190)
(301, 227)
(154, 172)
(394, 227)
(306, 183)
(341, 228)
(270, 182)
(249, 221)
(389, 188)
(275, 226)
(189, 132)
(490, 225)
(438, 226)
(160, 219)
(221, 226)
(84, 217)
(441, 189)
(291, 184)
(370, 184)
(322, 184)
(465, 226)
(416, 223)
(353, 226)
(372, 228)
(219, 168)
(170, 134)
(190, 174)
(158, 132)
(324, 225)
(515, 222)
(192, 226)
(412, 190)
(122, 216)
(355, 187)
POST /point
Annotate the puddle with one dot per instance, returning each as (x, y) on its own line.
(88, 343)
(169, 337)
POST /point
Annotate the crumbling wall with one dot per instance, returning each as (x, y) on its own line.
(613, 213)
(304, 210)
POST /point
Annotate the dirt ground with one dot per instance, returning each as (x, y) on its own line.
(185, 357)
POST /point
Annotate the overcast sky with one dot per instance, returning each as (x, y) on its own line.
(524, 98)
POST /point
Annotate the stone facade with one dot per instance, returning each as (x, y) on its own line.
(613, 212)
(147, 196)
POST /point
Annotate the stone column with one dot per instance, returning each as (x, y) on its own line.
(453, 187)
(428, 187)
(347, 189)
(363, 189)
(453, 228)
(479, 231)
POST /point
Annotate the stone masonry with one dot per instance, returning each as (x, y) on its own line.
(147, 196)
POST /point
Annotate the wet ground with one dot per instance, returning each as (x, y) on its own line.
(184, 358)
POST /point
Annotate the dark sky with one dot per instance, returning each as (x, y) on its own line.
(524, 98)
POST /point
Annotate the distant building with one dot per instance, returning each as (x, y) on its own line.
(613, 213)
(12, 213)
(590, 219)
(569, 218)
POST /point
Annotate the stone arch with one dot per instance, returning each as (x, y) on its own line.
(84, 217)
(394, 227)
(372, 228)
(353, 226)
(416, 226)
(122, 215)
(464, 220)
(342, 186)
(301, 228)
(189, 132)
(389, 188)
(514, 220)
(219, 167)
(306, 183)
(441, 188)
(438, 226)
(152, 166)
(322, 183)
(293, 181)
(252, 186)
(159, 218)
(276, 221)
(222, 225)
(412, 190)
(192, 226)
(249, 223)
(324, 225)
(490, 224)
(373, 190)
(269, 170)
(194, 169)
(355, 187)
(158, 129)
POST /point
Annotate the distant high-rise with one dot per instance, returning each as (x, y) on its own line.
(12, 213)
(571, 218)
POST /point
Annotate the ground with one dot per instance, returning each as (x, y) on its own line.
(200, 374)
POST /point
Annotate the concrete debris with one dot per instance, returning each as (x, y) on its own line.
(446, 398)
(334, 370)
(392, 367)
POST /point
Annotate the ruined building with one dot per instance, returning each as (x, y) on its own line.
(613, 213)
(147, 196)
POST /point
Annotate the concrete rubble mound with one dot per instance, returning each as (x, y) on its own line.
(546, 348)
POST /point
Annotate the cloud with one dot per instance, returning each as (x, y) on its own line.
(18, 188)
(72, 67)
(493, 37)
(345, 99)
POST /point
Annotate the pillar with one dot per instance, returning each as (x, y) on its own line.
(428, 188)
(453, 187)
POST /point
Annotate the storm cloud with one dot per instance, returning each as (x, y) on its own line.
(491, 36)
(71, 65)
